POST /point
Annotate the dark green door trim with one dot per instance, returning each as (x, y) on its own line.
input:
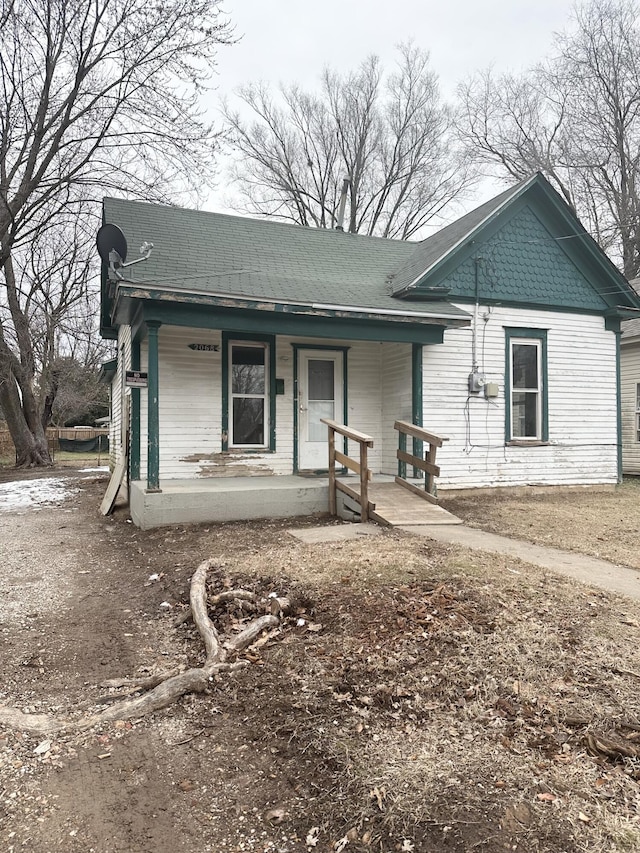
(153, 410)
(134, 448)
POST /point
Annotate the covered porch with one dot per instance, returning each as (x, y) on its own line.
(352, 492)
(227, 423)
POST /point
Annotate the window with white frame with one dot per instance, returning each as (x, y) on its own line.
(526, 388)
(638, 412)
(249, 394)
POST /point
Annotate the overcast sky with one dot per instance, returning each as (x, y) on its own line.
(293, 40)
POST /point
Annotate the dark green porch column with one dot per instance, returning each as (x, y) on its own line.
(134, 449)
(153, 418)
(618, 335)
(416, 400)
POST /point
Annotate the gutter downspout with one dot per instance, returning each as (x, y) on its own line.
(476, 309)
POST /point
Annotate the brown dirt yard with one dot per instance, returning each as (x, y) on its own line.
(423, 698)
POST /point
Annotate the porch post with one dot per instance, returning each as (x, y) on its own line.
(416, 400)
(134, 449)
(618, 335)
(153, 419)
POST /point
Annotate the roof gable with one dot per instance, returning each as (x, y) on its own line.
(522, 262)
(631, 328)
(524, 247)
(431, 251)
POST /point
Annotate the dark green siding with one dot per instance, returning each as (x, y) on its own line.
(521, 262)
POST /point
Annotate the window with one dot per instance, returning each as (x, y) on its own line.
(526, 399)
(248, 392)
(638, 412)
(320, 396)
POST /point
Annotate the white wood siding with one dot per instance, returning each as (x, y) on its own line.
(189, 400)
(365, 398)
(582, 404)
(581, 394)
(396, 399)
(190, 406)
(117, 428)
(629, 379)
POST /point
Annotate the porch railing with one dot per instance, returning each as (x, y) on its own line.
(426, 464)
(359, 466)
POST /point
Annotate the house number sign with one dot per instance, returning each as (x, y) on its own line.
(205, 347)
(135, 379)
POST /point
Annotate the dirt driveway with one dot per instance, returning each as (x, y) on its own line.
(78, 608)
(442, 701)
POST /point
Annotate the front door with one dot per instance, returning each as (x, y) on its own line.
(320, 395)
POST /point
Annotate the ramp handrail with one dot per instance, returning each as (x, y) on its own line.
(426, 464)
(360, 467)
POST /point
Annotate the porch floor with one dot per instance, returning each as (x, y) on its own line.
(219, 499)
(397, 507)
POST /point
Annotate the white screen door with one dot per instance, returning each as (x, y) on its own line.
(320, 395)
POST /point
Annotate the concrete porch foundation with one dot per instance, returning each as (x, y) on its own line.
(227, 499)
(222, 499)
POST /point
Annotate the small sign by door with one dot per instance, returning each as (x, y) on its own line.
(136, 379)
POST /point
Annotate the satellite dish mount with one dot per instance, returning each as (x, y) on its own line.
(112, 248)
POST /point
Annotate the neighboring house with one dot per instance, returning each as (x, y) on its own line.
(499, 332)
(630, 392)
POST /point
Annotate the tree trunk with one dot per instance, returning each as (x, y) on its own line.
(50, 398)
(18, 402)
(31, 449)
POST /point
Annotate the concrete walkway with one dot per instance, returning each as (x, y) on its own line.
(620, 579)
(609, 576)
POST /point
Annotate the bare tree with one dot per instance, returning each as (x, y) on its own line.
(77, 396)
(390, 136)
(55, 282)
(94, 95)
(577, 119)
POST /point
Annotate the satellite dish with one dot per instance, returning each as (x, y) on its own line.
(112, 245)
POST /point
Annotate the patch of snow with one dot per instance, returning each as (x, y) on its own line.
(24, 494)
(102, 468)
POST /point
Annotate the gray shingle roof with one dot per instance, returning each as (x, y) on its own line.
(431, 250)
(216, 253)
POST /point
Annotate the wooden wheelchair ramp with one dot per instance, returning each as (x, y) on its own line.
(393, 506)
(399, 503)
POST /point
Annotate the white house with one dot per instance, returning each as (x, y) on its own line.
(501, 332)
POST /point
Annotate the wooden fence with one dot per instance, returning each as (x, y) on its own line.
(54, 434)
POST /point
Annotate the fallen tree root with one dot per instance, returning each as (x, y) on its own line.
(611, 745)
(138, 684)
(164, 688)
(250, 634)
(230, 595)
